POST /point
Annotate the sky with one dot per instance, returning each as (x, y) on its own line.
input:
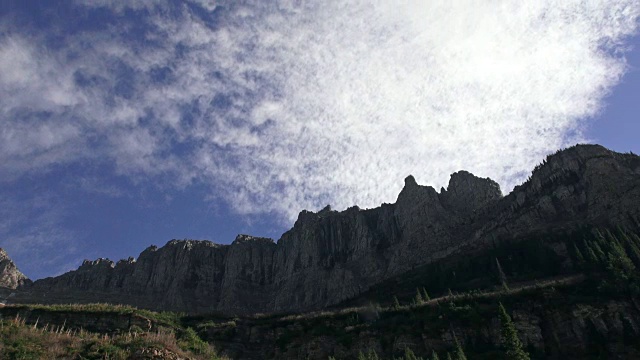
(131, 123)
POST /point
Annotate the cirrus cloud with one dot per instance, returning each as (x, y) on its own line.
(288, 105)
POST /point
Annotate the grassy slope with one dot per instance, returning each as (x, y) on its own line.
(29, 338)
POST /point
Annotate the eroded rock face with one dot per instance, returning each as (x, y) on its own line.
(10, 276)
(467, 193)
(331, 256)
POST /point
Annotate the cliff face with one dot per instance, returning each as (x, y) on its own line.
(564, 327)
(10, 276)
(331, 256)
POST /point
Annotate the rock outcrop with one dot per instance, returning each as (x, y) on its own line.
(10, 276)
(331, 256)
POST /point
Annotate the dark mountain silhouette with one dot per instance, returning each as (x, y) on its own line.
(329, 257)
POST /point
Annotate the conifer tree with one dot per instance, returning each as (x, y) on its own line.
(633, 250)
(361, 356)
(434, 355)
(634, 253)
(599, 252)
(418, 298)
(620, 266)
(591, 255)
(409, 354)
(396, 303)
(512, 343)
(594, 261)
(635, 238)
(425, 295)
(449, 356)
(579, 257)
(459, 352)
(372, 355)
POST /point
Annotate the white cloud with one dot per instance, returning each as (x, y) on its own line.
(291, 105)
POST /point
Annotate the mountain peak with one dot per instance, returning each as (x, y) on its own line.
(466, 192)
(410, 181)
(10, 276)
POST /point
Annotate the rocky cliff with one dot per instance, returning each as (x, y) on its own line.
(10, 276)
(552, 323)
(331, 256)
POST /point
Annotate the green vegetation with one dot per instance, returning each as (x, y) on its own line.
(425, 295)
(21, 341)
(512, 344)
(167, 318)
(371, 355)
(611, 255)
(418, 299)
(409, 355)
(190, 341)
(459, 352)
(612, 259)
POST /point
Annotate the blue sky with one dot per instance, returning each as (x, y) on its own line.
(126, 124)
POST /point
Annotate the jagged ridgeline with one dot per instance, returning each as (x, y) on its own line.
(453, 239)
(437, 272)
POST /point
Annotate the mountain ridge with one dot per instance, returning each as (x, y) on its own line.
(329, 256)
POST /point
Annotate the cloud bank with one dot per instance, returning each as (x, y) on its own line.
(287, 105)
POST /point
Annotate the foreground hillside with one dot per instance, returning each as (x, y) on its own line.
(566, 318)
(589, 311)
(97, 331)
